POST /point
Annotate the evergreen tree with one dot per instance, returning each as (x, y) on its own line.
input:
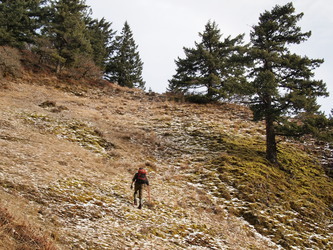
(283, 82)
(100, 36)
(316, 124)
(67, 32)
(125, 65)
(214, 66)
(19, 22)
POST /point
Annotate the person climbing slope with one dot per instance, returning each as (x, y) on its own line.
(140, 180)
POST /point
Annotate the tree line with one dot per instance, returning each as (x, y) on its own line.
(278, 85)
(63, 34)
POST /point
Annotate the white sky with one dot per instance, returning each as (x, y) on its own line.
(161, 28)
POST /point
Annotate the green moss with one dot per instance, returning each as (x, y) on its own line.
(298, 184)
(74, 131)
(75, 191)
(298, 180)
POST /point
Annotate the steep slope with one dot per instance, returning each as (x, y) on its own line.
(68, 153)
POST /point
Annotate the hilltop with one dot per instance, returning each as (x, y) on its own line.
(69, 150)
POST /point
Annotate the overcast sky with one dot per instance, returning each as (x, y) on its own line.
(161, 28)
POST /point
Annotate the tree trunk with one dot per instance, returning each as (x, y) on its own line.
(58, 68)
(210, 92)
(271, 149)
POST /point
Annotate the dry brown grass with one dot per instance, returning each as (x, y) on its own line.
(16, 231)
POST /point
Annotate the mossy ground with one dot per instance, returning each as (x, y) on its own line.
(72, 130)
(289, 202)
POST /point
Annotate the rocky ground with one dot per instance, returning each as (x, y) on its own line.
(68, 154)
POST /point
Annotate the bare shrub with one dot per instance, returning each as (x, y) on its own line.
(10, 64)
(85, 68)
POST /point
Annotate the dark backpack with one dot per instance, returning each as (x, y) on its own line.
(142, 175)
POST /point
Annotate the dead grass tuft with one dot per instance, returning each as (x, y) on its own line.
(21, 235)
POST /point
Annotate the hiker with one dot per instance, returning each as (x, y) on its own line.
(140, 179)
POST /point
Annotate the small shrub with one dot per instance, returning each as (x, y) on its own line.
(151, 166)
(48, 104)
(199, 99)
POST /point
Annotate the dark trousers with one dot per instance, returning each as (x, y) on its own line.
(138, 188)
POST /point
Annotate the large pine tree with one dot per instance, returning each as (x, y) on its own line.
(67, 31)
(283, 82)
(214, 68)
(101, 37)
(125, 65)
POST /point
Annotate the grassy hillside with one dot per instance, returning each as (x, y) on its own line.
(69, 150)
